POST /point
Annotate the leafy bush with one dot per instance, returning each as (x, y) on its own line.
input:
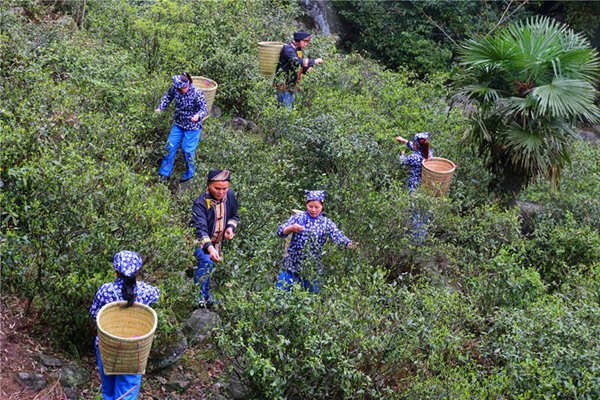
(405, 33)
(465, 313)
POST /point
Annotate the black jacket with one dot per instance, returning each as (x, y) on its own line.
(203, 219)
(291, 66)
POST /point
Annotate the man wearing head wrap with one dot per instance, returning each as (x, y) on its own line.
(214, 217)
(290, 68)
(190, 108)
(126, 264)
(303, 261)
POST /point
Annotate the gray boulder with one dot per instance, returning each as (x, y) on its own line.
(71, 375)
(590, 132)
(238, 387)
(199, 325)
(528, 212)
(48, 361)
(177, 385)
(253, 128)
(35, 382)
(172, 354)
(215, 112)
(71, 394)
(239, 123)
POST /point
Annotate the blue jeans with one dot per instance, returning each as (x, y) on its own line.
(284, 99)
(286, 279)
(115, 386)
(203, 272)
(419, 222)
(189, 141)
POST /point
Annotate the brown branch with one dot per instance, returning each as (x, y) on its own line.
(429, 19)
(502, 19)
(129, 391)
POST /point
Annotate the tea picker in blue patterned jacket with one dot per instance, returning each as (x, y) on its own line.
(190, 108)
(421, 152)
(126, 264)
(303, 262)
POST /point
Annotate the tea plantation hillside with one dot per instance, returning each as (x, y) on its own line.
(495, 303)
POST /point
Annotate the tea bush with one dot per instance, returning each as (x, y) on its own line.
(475, 309)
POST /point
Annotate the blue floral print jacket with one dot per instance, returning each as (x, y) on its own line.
(186, 106)
(109, 292)
(309, 243)
(415, 162)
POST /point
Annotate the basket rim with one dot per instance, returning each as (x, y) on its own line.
(271, 43)
(122, 339)
(439, 159)
(206, 79)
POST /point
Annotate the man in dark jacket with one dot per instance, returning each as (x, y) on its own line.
(290, 68)
(214, 216)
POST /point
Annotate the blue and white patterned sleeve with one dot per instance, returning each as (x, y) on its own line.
(103, 297)
(200, 104)
(413, 160)
(295, 219)
(147, 294)
(336, 235)
(411, 145)
(167, 99)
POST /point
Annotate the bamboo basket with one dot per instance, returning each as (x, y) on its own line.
(125, 337)
(436, 176)
(209, 88)
(268, 57)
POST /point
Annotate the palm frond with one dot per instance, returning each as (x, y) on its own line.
(566, 98)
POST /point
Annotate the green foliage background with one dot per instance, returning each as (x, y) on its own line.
(482, 309)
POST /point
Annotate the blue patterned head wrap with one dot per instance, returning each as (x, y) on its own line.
(178, 82)
(127, 262)
(302, 35)
(422, 135)
(218, 175)
(315, 195)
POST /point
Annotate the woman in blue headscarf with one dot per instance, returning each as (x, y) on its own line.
(125, 287)
(190, 108)
(311, 230)
(420, 146)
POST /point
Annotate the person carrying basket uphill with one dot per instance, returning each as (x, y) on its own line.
(311, 230)
(420, 146)
(214, 217)
(190, 108)
(290, 68)
(126, 263)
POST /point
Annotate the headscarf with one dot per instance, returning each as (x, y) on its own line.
(422, 135)
(315, 195)
(178, 82)
(302, 35)
(218, 175)
(127, 262)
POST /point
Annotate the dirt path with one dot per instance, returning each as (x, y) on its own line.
(19, 344)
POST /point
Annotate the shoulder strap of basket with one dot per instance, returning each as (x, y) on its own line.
(279, 65)
(112, 286)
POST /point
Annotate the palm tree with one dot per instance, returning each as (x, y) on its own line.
(530, 84)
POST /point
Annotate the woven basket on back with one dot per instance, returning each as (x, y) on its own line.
(436, 176)
(268, 57)
(125, 337)
(209, 88)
